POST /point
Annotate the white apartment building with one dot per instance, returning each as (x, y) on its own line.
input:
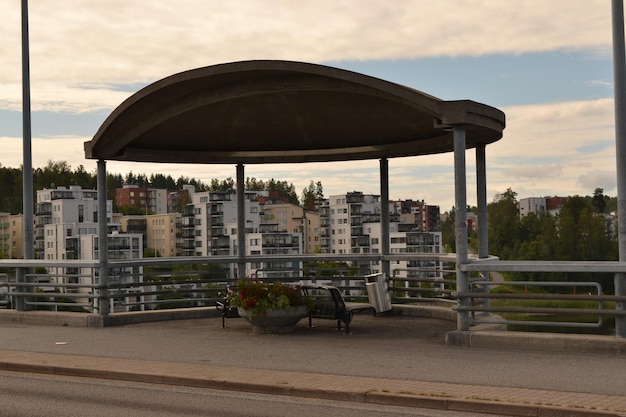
(66, 227)
(350, 224)
(209, 228)
(404, 238)
(341, 221)
(529, 205)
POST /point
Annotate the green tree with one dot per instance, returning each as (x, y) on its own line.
(448, 231)
(312, 195)
(224, 185)
(599, 200)
(504, 223)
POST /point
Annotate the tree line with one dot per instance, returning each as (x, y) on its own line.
(60, 173)
(581, 231)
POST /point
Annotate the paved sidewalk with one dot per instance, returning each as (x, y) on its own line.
(387, 360)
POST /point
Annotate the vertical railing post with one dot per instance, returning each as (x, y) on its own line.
(20, 300)
(460, 199)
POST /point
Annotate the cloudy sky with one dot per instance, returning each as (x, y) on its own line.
(546, 64)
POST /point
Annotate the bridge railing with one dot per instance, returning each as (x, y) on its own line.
(196, 281)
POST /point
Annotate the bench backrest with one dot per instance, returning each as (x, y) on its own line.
(328, 302)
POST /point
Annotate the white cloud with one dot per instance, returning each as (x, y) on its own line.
(605, 179)
(557, 148)
(80, 48)
(78, 42)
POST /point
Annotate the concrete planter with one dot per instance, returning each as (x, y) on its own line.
(274, 321)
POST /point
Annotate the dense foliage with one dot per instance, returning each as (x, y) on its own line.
(259, 297)
(581, 231)
(62, 174)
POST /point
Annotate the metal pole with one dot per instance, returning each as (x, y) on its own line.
(619, 75)
(27, 164)
(481, 196)
(103, 242)
(27, 183)
(460, 199)
(384, 214)
(241, 222)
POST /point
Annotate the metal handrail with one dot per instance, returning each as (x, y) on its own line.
(400, 287)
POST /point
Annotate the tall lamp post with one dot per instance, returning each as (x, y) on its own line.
(27, 183)
(619, 76)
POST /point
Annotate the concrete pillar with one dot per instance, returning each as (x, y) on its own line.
(460, 199)
(103, 243)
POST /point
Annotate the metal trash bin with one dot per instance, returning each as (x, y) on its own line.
(378, 292)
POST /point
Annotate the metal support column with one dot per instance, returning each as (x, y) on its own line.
(481, 196)
(27, 165)
(103, 242)
(460, 203)
(619, 75)
(241, 222)
(384, 214)
(27, 169)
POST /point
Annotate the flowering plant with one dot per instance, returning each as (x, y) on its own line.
(259, 297)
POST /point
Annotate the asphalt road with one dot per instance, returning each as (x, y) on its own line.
(36, 395)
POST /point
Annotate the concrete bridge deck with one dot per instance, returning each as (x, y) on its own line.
(388, 359)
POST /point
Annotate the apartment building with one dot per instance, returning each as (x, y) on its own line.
(541, 205)
(148, 200)
(61, 213)
(350, 224)
(5, 235)
(426, 217)
(66, 227)
(341, 222)
(209, 228)
(312, 232)
(160, 231)
(178, 199)
(529, 205)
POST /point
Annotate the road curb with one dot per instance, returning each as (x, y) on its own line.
(288, 389)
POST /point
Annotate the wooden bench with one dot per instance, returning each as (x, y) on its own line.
(329, 304)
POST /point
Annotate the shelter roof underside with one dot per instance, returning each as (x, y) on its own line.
(282, 111)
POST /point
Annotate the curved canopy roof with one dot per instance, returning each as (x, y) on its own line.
(283, 111)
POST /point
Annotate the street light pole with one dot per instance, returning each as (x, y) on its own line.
(619, 76)
(27, 183)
